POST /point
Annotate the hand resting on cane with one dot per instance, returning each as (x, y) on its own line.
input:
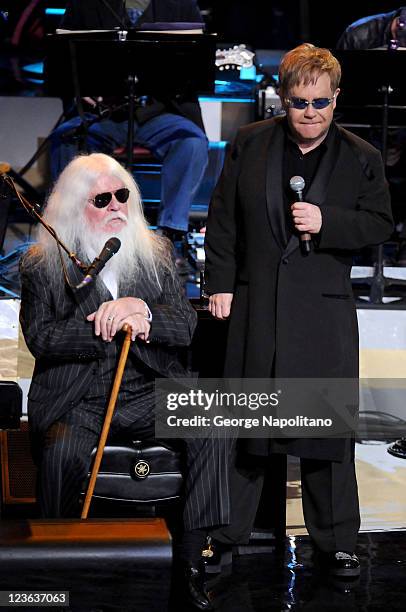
(111, 316)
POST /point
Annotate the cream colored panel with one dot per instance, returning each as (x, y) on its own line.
(9, 310)
(382, 363)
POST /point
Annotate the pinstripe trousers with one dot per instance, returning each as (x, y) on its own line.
(65, 461)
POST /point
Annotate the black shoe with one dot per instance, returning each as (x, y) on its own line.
(398, 448)
(191, 585)
(173, 235)
(216, 556)
(180, 249)
(343, 564)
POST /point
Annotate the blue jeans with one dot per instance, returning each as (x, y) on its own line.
(177, 142)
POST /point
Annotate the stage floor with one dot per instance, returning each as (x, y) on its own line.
(278, 582)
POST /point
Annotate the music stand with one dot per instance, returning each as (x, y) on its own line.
(374, 80)
(134, 63)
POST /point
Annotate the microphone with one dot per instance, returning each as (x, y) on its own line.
(4, 168)
(110, 248)
(297, 184)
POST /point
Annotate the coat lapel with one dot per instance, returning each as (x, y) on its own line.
(274, 188)
(88, 298)
(318, 189)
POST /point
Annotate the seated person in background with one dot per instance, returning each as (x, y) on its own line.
(375, 31)
(383, 31)
(171, 128)
(74, 338)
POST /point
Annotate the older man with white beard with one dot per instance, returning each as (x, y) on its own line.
(74, 338)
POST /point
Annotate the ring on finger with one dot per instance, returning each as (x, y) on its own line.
(110, 318)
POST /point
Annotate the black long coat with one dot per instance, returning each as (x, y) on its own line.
(293, 315)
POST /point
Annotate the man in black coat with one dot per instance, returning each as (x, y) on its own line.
(171, 128)
(292, 314)
(74, 337)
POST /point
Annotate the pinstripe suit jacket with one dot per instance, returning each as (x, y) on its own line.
(66, 350)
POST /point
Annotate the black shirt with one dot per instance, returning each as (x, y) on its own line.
(296, 163)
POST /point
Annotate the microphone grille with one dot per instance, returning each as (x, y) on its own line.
(113, 244)
(297, 183)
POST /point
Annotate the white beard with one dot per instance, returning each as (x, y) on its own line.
(121, 265)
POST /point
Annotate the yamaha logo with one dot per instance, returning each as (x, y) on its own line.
(141, 469)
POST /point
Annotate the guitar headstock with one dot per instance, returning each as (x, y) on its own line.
(236, 57)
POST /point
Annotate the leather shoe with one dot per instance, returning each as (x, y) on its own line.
(216, 556)
(340, 563)
(192, 586)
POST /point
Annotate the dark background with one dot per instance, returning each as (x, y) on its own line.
(263, 24)
(283, 24)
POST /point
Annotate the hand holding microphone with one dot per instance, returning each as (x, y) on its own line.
(306, 216)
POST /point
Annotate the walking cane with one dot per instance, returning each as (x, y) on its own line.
(107, 419)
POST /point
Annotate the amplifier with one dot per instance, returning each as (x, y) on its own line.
(18, 472)
(11, 401)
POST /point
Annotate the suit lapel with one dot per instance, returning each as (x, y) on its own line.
(88, 298)
(292, 245)
(318, 189)
(274, 187)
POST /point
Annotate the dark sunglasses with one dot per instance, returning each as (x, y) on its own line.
(301, 103)
(101, 200)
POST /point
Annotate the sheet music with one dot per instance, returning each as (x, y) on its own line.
(197, 31)
(62, 31)
(151, 28)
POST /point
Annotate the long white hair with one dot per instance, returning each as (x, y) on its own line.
(142, 252)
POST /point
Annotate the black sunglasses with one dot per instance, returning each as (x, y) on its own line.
(301, 103)
(101, 200)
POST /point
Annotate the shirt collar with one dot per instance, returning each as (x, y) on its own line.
(323, 146)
